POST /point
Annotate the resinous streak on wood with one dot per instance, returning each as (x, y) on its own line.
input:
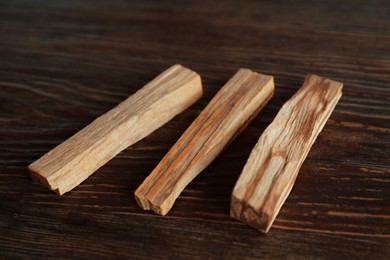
(71, 162)
(228, 113)
(273, 164)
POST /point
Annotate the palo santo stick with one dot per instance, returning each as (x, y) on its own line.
(228, 113)
(73, 161)
(273, 164)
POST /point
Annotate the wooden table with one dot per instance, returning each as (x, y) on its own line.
(63, 63)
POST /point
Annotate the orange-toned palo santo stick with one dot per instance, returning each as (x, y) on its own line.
(273, 164)
(73, 161)
(228, 113)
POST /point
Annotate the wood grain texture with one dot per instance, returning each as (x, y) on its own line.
(64, 63)
(227, 114)
(73, 161)
(274, 163)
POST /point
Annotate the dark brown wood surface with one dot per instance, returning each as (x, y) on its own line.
(64, 63)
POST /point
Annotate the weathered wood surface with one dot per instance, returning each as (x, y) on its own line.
(74, 160)
(228, 113)
(274, 163)
(63, 64)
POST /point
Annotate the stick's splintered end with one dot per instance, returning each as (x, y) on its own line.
(245, 213)
(146, 204)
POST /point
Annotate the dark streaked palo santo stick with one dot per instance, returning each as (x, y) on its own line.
(228, 113)
(273, 164)
(73, 161)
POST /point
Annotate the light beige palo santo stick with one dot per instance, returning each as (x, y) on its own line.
(73, 161)
(273, 164)
(228, 113)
